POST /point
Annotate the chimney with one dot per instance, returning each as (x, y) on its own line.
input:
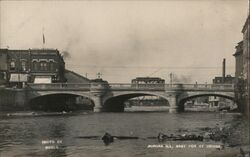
(223, 70)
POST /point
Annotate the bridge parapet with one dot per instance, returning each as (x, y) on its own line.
(218, 87)
(59, 86)
(124, 86)
(99, 86)
(128, 86)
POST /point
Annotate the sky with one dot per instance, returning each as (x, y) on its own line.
(127, 39)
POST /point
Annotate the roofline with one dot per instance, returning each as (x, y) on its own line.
(67, 70)
(245, 24)
(238, 53)
(37, 49)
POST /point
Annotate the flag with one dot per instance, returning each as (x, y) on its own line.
(43, 39)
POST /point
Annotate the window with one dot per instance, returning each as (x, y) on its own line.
(43, 66)
(51, 66)
(1, 75)
(12, 65)
(35, 66)
(23, 63)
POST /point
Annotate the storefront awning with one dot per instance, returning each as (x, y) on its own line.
(43, 79)
(18, 77)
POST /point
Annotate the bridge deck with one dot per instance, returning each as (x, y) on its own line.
(126, 86)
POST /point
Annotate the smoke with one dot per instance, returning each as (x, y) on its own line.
(71, 43)
(182, 79)
(66, 55)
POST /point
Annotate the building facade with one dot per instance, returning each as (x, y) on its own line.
(31, 66)
(246, 64)
(238, 61)
(224, 80)
(242, 73)
(239, 80)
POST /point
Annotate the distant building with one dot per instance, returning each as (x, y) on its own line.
(215, 101)
(224, 80)
(18, 67)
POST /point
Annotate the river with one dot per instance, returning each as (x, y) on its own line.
(61, 135)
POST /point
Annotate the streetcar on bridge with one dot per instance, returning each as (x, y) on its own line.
(148, 82)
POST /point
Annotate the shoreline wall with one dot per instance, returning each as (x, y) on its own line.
(13, 99)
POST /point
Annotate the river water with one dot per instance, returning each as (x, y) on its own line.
(61, 135)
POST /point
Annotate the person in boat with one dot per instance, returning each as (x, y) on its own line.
(107, 138)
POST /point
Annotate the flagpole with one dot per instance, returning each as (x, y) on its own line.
(43, 38)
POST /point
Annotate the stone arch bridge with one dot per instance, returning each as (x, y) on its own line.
(111, 97)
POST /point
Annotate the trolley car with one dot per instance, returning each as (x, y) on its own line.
(148, 82)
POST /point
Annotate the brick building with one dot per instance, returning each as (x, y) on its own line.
(18, 67)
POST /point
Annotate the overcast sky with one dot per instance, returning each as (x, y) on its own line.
(127, 39)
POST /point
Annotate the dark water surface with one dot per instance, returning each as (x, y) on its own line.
(22, 136)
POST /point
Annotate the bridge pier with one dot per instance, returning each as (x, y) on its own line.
(98, 103)
(98, 89)
(173, 104)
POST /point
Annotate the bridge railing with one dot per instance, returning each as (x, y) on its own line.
(49, 86)
(171, 86)
(128, 86)
(200, 86)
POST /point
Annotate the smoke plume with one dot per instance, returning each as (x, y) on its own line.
(66, 54)
(182, 79)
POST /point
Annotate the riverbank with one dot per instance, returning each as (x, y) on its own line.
(13, 99)
(237, 143)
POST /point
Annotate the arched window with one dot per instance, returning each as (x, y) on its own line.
(51, 66)
(24, 65)
(35, 65)
(12, 65)
(43, 66)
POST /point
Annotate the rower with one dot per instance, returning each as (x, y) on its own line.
(107, 138)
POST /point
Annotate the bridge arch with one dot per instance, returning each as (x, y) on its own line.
(115, 103)
(60, 102)
(183, 99)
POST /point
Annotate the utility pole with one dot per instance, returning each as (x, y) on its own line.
(171, 78)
